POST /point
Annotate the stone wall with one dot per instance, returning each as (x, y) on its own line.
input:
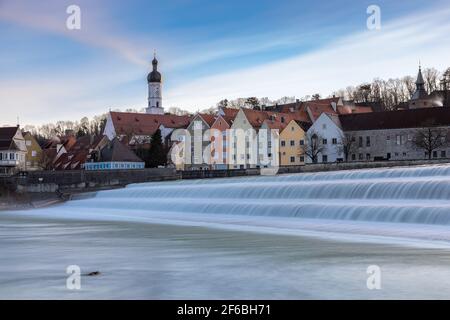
(358, 165)
(203, 174)
(80, 180)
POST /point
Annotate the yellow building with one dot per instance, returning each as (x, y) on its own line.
(34, 157)
(292, 137)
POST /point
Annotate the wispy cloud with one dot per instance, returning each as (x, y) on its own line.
(50, 16)
(390, 52)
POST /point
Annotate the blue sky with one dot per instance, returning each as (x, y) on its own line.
(208, 50)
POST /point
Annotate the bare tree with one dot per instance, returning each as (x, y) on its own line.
(431, 138)
(431, 76)
(408, 86)
(284, 100)
(347, 145)
(313, 146)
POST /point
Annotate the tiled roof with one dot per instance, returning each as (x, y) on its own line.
(146, 124)
(208, 118)
(115, 151)
(6, 137)
(414, 118)
(78, 154)
(230, 112)
(275, 120)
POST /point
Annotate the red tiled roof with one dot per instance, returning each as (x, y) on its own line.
(230, 112)
(275, 119)
(316, 109)
(146, 124)
(208, 118)
(78, 154)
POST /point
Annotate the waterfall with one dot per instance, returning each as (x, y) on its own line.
(419, 195)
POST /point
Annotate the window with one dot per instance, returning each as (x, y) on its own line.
(324, 141)
(248, 156)
(434, 154)
(292, 159)
(324, 158)
(404, 154)
(11, 156)
(388, 156)
(302, 159)
(360, 156)
(360, 142)
(443, 154)
(367, 156)
(324, 126)
(33, 153)
(28, 143)
(367, 141)
(409, 137)
(283, 143)
(247, 144)
(398, 138)
(334, 141)
(388, 137)
(353, 157)
(302, 142)
(292, 128)
(292, 143)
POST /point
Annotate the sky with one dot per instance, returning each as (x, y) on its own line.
(207, 50)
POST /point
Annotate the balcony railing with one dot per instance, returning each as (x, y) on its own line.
(9, 163)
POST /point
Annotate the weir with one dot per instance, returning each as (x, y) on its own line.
(419, 195)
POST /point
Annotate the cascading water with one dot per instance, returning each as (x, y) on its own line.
(414, 196)
(411, 195)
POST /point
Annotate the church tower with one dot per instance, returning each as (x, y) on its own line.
(420, 98)
(154, 90)
(420, 92)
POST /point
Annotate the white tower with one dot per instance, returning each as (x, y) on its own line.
(154, 90)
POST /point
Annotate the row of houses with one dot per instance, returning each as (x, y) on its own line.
(19, 151)
(316, 131)
(332, 137)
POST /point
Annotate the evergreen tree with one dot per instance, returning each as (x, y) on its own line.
(157, 155)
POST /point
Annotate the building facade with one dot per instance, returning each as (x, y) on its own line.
(392, 135)
(13, 150)
(292, 139)
(327, 131)
(35, 156)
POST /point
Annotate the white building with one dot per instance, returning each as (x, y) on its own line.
(13, 150)
(328, 134)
